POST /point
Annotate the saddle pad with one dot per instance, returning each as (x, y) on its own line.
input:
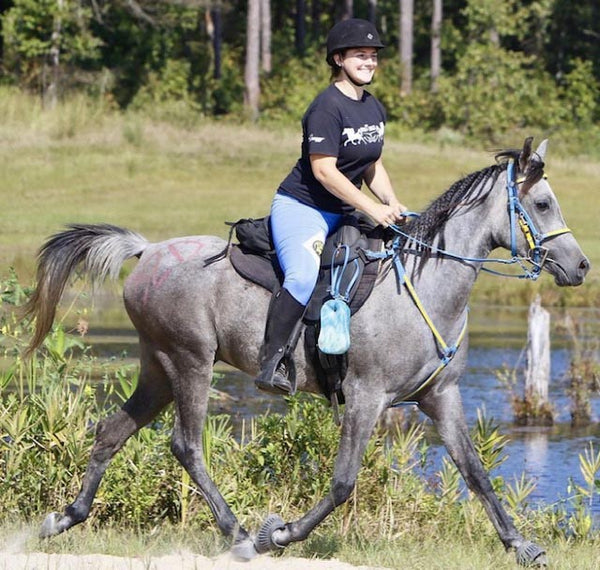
(265, 271)
(257, 268)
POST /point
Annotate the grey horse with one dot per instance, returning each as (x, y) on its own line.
(189, 316)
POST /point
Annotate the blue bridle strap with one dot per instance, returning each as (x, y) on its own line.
(513, 201)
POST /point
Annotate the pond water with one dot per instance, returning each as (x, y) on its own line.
(547, 455)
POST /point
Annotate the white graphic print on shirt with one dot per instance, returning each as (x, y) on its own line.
(366, 134)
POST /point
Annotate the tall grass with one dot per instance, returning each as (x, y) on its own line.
(166, 176)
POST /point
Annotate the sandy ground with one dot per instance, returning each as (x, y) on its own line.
(181, 561)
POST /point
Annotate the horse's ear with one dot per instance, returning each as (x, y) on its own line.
(541, 150)
(525, 154)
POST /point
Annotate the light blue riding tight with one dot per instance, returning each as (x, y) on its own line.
(299, 232)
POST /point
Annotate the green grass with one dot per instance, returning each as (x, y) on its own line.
(85, 163)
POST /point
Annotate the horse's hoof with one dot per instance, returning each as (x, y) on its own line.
(244, 550)
(50, 525)
(530, 554)
(264, 539)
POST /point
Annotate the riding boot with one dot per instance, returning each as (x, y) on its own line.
(276, 364)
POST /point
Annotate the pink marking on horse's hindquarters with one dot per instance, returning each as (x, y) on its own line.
(151, 273)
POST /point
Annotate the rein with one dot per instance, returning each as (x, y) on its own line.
(537, 255)
(517, 214)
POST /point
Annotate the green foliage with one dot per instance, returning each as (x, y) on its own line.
(486, 16)
(32, 28)
(495, 90)
(287, 92)
(582, 93)
(489, 442)
(579, 521)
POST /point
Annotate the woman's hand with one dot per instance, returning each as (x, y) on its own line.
(385, 214)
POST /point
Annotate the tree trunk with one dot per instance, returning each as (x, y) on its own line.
(216, 35)
(348, 9)
(50, 93)
(251, 73)
(300, 35)
(494, 37)
(436, 44)
(406, 45)
(537, 376)
(265, 35)
(316, 11)
(372, 11)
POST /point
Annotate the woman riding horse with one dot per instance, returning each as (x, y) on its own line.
(341, 148)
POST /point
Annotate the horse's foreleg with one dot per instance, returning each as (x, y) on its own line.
(148, 399)
(191, 401)
(360, 417)
(445, 409)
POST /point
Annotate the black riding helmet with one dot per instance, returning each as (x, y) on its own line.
(351, 33)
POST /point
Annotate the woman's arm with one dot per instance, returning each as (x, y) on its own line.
(378, 181)
(326, 172)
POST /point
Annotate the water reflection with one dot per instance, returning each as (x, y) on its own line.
(535, 449)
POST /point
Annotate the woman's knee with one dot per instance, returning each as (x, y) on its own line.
(300, 286)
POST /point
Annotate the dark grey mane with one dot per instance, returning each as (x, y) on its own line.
(466, 192)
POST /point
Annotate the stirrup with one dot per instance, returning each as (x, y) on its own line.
(277, 376)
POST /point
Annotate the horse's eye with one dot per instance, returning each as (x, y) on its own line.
(542, 205)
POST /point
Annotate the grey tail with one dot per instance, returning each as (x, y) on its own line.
(99, 249)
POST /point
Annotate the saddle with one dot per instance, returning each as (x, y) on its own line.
(254, 259)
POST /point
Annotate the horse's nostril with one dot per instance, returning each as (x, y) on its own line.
(584, 266)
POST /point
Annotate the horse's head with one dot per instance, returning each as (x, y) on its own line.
(537, 229)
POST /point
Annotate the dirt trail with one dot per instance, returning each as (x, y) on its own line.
(180, 561)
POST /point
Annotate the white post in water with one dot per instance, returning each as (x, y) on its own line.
(537, 376)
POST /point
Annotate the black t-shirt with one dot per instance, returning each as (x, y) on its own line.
(336, 125)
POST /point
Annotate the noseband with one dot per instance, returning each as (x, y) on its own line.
(537, 254)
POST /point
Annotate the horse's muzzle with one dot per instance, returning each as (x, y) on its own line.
(569, 278)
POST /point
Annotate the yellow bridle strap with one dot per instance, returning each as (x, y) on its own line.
(442, 343)
(440, 367)
(554, 233)
(526, 232)
(426, 317)
(526, 229)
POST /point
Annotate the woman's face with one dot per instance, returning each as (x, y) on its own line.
(359, 64)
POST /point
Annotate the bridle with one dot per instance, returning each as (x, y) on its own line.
(518, 216)
(537, 254)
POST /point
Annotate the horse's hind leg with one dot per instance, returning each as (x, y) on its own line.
(444, 407)
(151, 395)
(190, 391)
